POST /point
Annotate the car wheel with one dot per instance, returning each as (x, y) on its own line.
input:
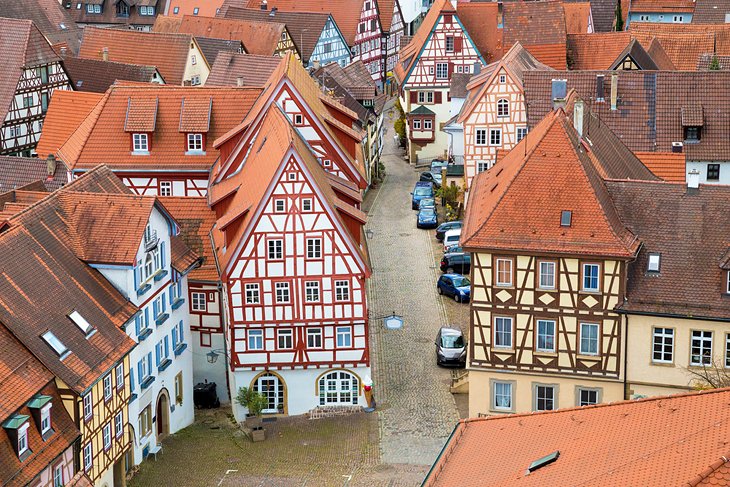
(450, 270)
(457, 298)
(439, 290)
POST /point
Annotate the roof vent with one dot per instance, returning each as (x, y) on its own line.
(566, 218)
(541, 462)
(55, 344)
(654, 261)
(677, 146)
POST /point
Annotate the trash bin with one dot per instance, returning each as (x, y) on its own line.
(205, 395)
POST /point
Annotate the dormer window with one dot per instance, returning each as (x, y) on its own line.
(55, 344)
(46, 419)
(692, 134)
(140, 143)
(40, 408)
(195, 142)
(23, 439)
(654, 262)
(149, 10)
(92, 9)
(16, 427)
(122, 9)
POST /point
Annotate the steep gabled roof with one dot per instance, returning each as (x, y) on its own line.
(253, 69)
(96, 75)
(304, 27)
(517, 204)
(212, 47)
(23, 46)
(638, 442)
(355, 78)
(480, 19)
(668, 6)
(577, 15)
(603, 13)
(711, 11)
(684, 43)
(168, 52)
(276, 137)
(16, 172)
(540, 27)
(49, 16)
(595, 51)
(638, 54)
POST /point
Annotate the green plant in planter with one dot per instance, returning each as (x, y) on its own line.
(255, 402)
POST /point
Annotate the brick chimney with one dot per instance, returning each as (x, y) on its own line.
(693, 180)
(50, 166)
(614, 91)
(578, 117)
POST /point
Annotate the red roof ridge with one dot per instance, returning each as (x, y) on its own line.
(712, 468)
(138, 32)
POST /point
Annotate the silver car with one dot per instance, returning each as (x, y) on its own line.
(450, 347)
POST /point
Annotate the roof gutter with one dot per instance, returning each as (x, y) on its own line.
(671, 315)
(441, 454)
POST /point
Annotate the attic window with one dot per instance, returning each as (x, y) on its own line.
(654, 261)
(599, 87)
(692, 134)
(559, 89)
(81, 322)
(566, 218)
(541, 462)
(55, 344)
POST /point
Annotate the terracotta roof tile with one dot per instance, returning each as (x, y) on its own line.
(603, 12)
(80, 480)
(196, 220)
(669, 166)
(684, 43)
(206, 8)
(253, 69)
(480, 21)
(641, 442)
(355, 78)
(168, 52)
(54, 21)
(659, 56)
(95, 75)
(517, 205)
(595, 51)
(710, 11)
(304, 27)
(22, 375)
(705, 61)
(675, 223)
(345, 12)
(670, 6)
(16, 172)
(257, 37)
(101, 138)
(65, 113)
(211, 47)
(540, 27)
(195, 114)
(576, 17)
(109, 17)
(141, 114)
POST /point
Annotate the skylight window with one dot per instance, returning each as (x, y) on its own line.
(55, 343)
(81, 322)
(566, 218)
(654, 261)
(541, 462)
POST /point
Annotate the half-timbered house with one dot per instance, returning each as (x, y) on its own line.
(494, 115)
(293, 261)
(157, 139)
(75, 324)
(325, 124)
(549, 266)
(31, 73)
(133, 14)
(440, 47)
(315, 34)
(40, 437)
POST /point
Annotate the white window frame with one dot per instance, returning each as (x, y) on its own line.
(165, 188)
(275, 249)
(480, 133)
(23, 438)
(311, 292)
(46, 418)
(252, 293)
(107, 435)
(495, 137)
(195, 301)
(118, 424)
(427, 124)
(255, 339)
(543, 271)
(521, 133)
(597, 327)
(314, 248)
(342, 290)
(58, 480)
(195, 142)
(307, 204)
(285, 339)
(497, 272)
(279, 205)
(108, 387)
(482, 166)
(705, 358)
(537, 397)
(449, 47)
(589, 390)
(545, 336)
(282, 292)
(583, 278)
(666, 337)
(88, 457)
(503, 107)
(140, 142)
(314, 338)
(500, 331)
(417, 124)
(343, 336)
(442, 71)
(496, 394)
(88, 402)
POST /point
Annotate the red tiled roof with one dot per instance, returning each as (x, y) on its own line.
(16, 172)
(196, 220)
(540, 27)
(109, 17)
(675, 440)
(658, 6)
(345, 12)
(667, 165)
(517, 205)
(95, 75)
(101, 138)
(710, 11)
(684, 43)
(168, 52)
(253, 69)
(576, 17)
(206, 8)
(54, 21)
(595, 51)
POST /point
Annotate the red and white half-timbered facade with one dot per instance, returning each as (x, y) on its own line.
(440, 48)
(397, 30)
(494, 115)
(294, 265)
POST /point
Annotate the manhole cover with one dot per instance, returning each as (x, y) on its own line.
(404, 234)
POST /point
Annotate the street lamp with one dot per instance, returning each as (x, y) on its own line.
(212, 356)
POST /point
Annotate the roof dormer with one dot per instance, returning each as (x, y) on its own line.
(140, 122)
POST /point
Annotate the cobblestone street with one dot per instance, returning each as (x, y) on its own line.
(417, 412)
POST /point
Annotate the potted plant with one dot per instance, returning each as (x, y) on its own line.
(255, 403)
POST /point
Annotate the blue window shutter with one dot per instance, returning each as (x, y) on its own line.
(147, 317)
(135, 270)
(164, 303)
(137, 320)
(157, 354)
(174, 337)
(140, 375)
(131, 380)
(149, 362)
(167, 347)
(180, 332)
(162, 255)
(155, 311)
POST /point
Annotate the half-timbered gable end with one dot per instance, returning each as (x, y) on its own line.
(494, 115)
(325, 124)
(293, 261)
(32, 71)
(549, 268)
(440, 47)
(158, 140)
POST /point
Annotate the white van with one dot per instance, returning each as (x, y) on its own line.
(452, 237)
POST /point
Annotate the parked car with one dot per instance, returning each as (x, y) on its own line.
(450, 347)
(453, 249)
(431, 177)
(444, 227)
(422, 190)
(437, 164)
(456, 286)
(427, 218)
(451, 238)
(456, 262)
(427, 203)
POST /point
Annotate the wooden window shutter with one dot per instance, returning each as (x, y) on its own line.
(414, 97)
(451, 69)
(448, 18)
(437, 97)
(458, 44)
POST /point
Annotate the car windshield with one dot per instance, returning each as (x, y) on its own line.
(428, 211)
(428, 202)
(437, 176)
(452, 341)
(422, 191)
(461, 282)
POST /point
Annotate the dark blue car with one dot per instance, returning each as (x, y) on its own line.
(427, 218)
(422, 190)
(456, 286)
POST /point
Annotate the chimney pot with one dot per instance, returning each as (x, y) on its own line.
(693, 179)
(105, 54)
(578, 117)
(264, 4)
(239, 81)
(63, 51)
(614, 91)
(50, 165)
